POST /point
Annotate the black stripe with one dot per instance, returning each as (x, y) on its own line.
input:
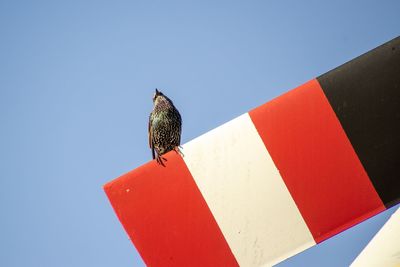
(365, 95)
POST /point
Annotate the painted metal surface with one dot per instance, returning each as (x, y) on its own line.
(277, 180)
(246, 194)
(166, 217)
(316, 160)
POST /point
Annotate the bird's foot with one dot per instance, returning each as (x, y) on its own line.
(160, 160)
(178, 150)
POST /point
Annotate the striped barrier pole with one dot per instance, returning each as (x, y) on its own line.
(384, 248)
(276, 180)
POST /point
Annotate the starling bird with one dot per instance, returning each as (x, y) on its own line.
(165, 126)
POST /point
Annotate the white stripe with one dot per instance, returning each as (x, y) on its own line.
(246, 194)
(384, 248)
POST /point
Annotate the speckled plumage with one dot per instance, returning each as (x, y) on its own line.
(165, 126)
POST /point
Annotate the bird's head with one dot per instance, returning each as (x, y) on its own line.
(160, 99)
(156, 94)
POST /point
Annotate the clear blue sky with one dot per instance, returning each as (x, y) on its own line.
(76, 81)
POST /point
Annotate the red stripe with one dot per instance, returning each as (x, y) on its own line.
(167, 218)
(316, 160)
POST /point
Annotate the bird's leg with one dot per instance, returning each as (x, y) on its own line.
(178, 150)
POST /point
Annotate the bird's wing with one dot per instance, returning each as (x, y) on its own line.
(150, 133)
(180, 128)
